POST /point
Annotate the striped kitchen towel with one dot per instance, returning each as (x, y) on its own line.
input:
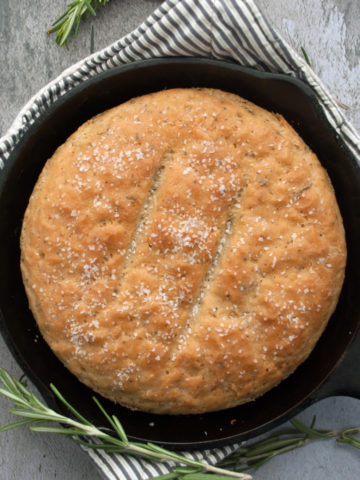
(234, 30)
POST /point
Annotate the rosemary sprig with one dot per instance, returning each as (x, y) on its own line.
(43, 419)
(253, 456)
(306, 56)
(72, 17)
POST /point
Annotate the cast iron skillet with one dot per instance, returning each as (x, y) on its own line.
(332, 368)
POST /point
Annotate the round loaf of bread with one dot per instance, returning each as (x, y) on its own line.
(183, 252)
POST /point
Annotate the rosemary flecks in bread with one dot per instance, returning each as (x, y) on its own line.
(183, 252)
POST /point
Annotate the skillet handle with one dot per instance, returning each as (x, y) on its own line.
(345, 379)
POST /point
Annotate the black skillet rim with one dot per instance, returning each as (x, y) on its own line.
(187, 62)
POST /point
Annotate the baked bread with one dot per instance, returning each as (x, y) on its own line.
(183, 252)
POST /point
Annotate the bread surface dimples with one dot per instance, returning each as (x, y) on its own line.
(183, 252)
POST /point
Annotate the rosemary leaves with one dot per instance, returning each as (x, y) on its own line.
(70, 20)
(41, 418)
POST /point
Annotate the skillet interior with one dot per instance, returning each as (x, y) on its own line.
(278, 93)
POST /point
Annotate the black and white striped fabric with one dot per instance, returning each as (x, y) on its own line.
(224, 29)
(126, 467)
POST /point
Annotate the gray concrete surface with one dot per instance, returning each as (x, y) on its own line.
(329, 31)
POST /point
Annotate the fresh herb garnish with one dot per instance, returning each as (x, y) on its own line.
(70, 20)
(43, 419)
(253, 456)
(306, 56)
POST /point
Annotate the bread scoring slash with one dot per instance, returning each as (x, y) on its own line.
(183, 252)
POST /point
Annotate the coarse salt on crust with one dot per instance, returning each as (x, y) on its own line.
(183, 252)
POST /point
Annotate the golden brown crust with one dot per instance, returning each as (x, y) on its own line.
(183, 252)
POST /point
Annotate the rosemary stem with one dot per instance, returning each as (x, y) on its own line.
(187, 461)
(70, 20)
(292, 446)
(42, 418)
(275, 445)
(214, 469)
(93, 431)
